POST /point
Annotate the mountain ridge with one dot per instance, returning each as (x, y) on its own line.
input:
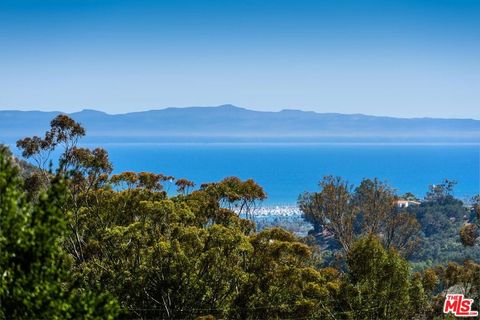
(229, 121)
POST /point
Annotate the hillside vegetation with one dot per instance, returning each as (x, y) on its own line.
(79, 242)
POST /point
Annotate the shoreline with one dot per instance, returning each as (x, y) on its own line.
(286, 210)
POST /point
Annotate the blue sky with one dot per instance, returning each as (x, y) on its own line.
(398, 58)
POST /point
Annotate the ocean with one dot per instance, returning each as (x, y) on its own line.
(287, 170)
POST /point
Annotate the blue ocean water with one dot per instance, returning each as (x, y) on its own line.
(287, 170)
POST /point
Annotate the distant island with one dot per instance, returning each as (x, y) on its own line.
(228, 123)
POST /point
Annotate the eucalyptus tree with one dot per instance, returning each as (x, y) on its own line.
(347, 213)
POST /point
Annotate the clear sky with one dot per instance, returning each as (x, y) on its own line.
(401, 58)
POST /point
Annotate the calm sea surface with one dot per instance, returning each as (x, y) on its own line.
(287, 170)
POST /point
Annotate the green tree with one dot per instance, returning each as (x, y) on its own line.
(469, 231)
(281, 281)
(331, 209)
(442, 191)
(370, 208)
(441, 217)
(64, 132)
(235, 194)
(85, 167)
(34, 269)
(184, 185)
(378, 284)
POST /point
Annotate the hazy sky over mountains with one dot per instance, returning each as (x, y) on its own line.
(401, 58)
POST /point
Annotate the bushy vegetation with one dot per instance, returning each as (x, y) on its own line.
(436, 230)
(36, 272)
(83, 243)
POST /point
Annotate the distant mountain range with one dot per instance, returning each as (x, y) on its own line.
(228, 123)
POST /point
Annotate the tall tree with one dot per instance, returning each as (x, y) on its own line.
(469, 232)
(331, 209)
(348, 214)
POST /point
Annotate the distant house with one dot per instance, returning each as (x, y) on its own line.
(406, 203)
